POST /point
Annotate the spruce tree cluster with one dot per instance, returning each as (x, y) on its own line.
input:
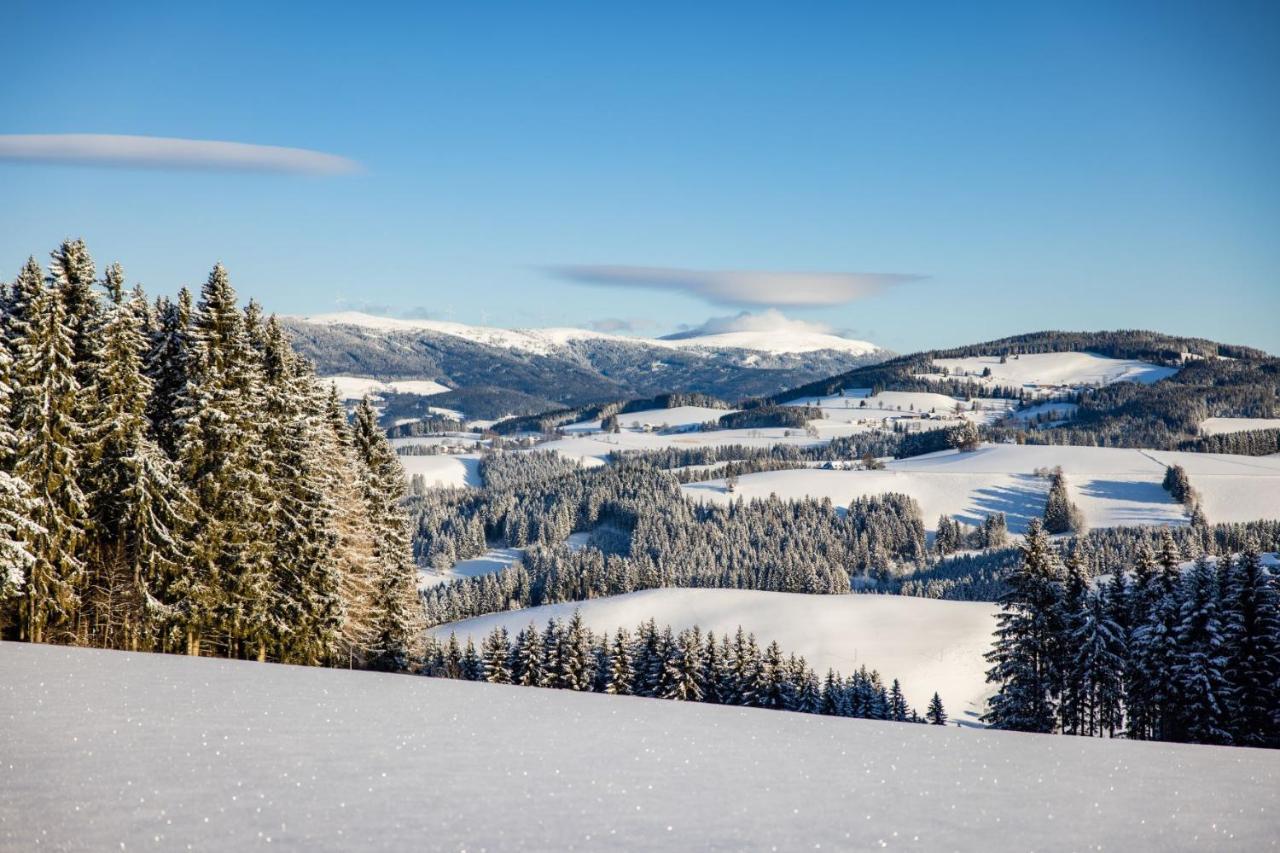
(1158, 652)
(644, 533)
(174, 478)
(1060, 514)
(688, 666)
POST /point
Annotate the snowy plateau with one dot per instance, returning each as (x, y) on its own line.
(156, 752)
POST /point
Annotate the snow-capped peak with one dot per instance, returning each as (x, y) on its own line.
(789, 337)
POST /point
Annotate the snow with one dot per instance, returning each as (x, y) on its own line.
(493, 560)
(857, 406)
(776, 341)
(444, 439)
(546, 341)
(1217, 426)
(444, 469)
(1113, 487)
(593, 448)
(927, 644)
(1058, 411)
(355, 387)
(110, 751)
(1070, 369)
(678, 416)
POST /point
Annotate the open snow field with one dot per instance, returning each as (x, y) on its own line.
(355, 387)
(1217, 426)
(927, 644)
(445, 469)
(1071, 369)
(1113, 487)
(493, 560)
(859, 407)
(117, 751)
(449, 439)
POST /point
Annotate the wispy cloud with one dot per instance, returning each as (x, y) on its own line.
(740, 287)
(158, 152)
(619, 324)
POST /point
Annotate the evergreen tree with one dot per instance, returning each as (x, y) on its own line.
(744, 673)
(1251, 629)
(576, 660)
(1024, 652)
(936, 715)
(49, 439)
(1200, 684)
(139, 508)
(897, 703)
(530, 667)
(170, 357)
(305, 609)
(17, 532)
(1097, 671)
(621, 674)
(395, 605)
(684, 680)
(226, 588)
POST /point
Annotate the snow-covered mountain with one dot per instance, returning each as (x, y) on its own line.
(494, 372)
(777, 341)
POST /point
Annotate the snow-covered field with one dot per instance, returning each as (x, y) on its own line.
(926, 644)
(355, 387)
(1217, 426)
(1113, 487)
(493, 560)
(1071, 369)
(858, 405)
(117, 751)
(444, 469)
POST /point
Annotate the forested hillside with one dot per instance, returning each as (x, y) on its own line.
(491, 380)
(174, 478)
(1211, 380)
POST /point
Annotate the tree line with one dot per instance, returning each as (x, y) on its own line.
(173, 477)
(1155, 652)
(689, 666)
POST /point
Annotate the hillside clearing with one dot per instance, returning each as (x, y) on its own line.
(1113, 486)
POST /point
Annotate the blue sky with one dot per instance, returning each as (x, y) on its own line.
(1043, 165)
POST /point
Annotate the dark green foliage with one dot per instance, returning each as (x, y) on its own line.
(688, 666)
(763, 417)
(180, 482)
(936, 715)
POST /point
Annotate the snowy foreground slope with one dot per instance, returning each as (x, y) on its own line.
(111, 751)
(925, 643)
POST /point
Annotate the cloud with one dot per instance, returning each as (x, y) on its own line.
(381, 309)
(770, 320)
(378, 309)
(740, 287)
(157, 152)
(618, 324)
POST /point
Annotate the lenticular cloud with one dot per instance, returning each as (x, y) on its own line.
(157, 152)
(740, 287)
